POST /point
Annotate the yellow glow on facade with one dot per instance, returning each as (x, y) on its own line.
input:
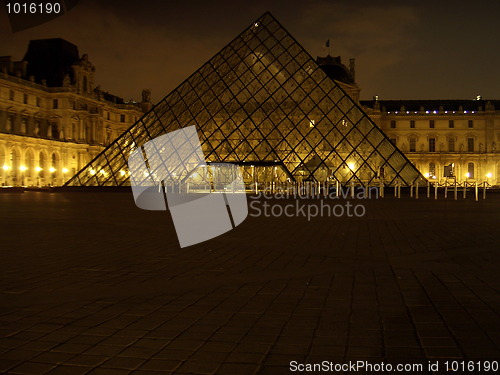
(426, 175)
(351, 166)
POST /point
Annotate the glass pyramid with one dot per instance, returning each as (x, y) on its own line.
(263, 103)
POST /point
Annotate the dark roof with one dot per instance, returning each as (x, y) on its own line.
(430, 105)
(334, 69)
(51, 60)
(112, 98)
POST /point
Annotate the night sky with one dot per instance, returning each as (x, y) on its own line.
(423, 49)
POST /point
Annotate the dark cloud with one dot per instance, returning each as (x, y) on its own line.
(425, 49)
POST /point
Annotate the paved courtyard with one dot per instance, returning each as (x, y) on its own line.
(92, 285)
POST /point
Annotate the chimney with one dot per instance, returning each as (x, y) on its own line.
(352, 63)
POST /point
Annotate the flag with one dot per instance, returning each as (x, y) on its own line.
(327, 44)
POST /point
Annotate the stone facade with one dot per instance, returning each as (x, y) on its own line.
(444, 139)
(50, 128)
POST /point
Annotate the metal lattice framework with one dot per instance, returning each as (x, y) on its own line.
(264, 104)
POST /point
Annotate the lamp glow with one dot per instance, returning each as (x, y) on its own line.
(52, 169)
(65, 170)
(92, 172)
(122, 173)
(488, 175)
(6, 167)
(38, 169)
(351, 166)
(22, 168)
(467, 175)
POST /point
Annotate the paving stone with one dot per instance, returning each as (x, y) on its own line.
(404, 283)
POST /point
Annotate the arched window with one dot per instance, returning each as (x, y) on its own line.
(42, 164)
(470, 170)
(30, 163)
(54, 165)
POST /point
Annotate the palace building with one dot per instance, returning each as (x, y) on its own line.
(53, 118)
(444, 139)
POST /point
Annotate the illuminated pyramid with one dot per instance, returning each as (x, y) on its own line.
(264, 104)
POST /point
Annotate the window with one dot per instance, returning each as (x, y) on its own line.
(431, 124)
(38, 101)
(74, 105)
(451, 144)
(55, 104)
(85, 88)
(412, 124)
(471, 124)
(25, 98)
(432, 144)
(53, 130)
(122, 118)
(470, 170)
(451, 124)
(11, 94)
(24, 126)
(10, 121)
(432, 169)
(413, 144)
(393, 124)
(470, 144)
